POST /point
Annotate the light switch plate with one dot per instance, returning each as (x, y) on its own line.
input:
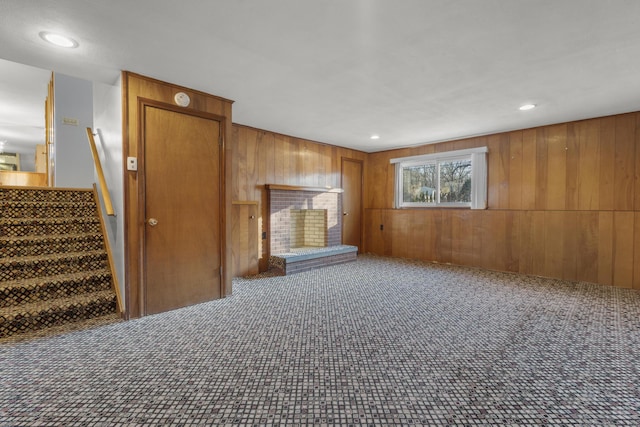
(132, 164)
(70, 121)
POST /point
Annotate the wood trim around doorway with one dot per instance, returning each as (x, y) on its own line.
(361, 213)
(139, 91)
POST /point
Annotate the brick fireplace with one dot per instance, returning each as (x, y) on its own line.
(305, 228)
(283, 199)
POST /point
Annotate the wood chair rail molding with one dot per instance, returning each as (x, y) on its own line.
(303, 188)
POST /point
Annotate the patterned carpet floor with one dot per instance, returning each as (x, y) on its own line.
(374, 342)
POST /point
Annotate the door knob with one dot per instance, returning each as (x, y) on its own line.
(152, 222)
(345, 213)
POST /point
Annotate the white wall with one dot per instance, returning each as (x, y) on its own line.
(73, 113)
(107, 117)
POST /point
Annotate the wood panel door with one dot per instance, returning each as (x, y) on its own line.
(352, 202)
(182, 250)
(244, 238)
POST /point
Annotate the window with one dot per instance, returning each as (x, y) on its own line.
(453, 178)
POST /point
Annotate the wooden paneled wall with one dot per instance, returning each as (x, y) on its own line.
(564, 202)
(261, 157)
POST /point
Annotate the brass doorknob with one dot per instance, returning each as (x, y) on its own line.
(152, 222)
(345, 213)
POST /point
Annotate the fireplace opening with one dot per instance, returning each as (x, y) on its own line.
(305, 227)
(308, 228)
(292, 207)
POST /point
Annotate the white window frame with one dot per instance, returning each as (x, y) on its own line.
(478, 157)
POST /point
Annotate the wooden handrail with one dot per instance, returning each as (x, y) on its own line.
(112, 266)
(108, 206)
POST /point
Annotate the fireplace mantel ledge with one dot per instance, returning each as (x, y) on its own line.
(303, 188)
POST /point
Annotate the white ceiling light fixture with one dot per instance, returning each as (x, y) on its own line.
(526, 107)
(58, 39)
(375, 136)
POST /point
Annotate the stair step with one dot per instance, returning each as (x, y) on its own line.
(46, 194)
(54, 269)
(43, 226)
(31, 267)
(55, 209)
(44, 245)
(65, 328)
(34, 316)
(53, 287)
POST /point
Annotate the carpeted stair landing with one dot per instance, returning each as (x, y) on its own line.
(54, 268)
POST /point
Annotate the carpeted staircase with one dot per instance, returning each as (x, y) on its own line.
(54, 268)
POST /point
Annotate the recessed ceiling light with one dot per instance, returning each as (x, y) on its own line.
(528, 107)
(58, 39)
(375, 136)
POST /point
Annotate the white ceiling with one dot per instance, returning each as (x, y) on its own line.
(337, 71)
